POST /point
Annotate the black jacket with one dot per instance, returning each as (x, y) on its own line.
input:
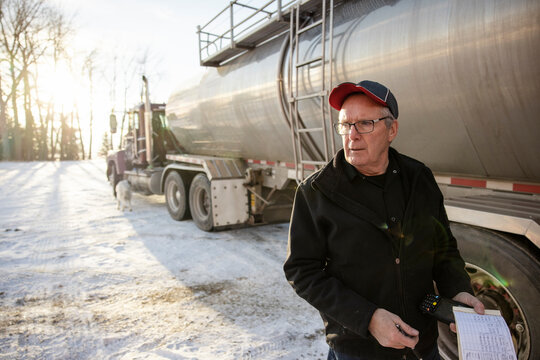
(341, 259)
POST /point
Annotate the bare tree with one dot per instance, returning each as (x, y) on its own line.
(127, 80)
(3, 115)
(19, 23)
(11, 27)
(27, 29)
(41, 135)
(59, 29)
(80, 132)
(89, 68)
(4, 151)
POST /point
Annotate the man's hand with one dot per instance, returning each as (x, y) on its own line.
(383, 328)
(470, 300)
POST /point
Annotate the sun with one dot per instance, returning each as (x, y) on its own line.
(60, 87)
(64, 93)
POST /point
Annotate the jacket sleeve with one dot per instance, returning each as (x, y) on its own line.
(449, 267)
(305, 268)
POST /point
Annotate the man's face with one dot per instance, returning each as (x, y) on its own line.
(368, 153)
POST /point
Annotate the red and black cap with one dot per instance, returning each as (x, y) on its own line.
(377, 92)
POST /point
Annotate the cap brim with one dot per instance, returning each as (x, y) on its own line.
(342, 91)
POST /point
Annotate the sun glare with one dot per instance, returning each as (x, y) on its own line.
(60, 87)
(68, 93)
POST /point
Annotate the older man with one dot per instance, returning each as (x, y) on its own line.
(369, 237)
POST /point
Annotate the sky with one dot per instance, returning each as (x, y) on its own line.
(165, 30)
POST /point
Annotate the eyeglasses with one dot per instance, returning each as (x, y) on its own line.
(362, 126)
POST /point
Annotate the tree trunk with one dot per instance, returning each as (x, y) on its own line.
(80, 132)
(43, 138)
(73, 147)
(63, 137)
(41, 131)
(3, 132)
(29, 131)
(3, 126)
(91, 114)
(17, 143)
(57, 137)
(91, 125)
(29, 136)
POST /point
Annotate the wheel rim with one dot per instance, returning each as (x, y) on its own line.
(174, 196)
(202, 203)
(494, 294)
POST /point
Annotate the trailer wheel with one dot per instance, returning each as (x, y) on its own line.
(200, 202)
(504, 274)
(176, 196)
(113, 177)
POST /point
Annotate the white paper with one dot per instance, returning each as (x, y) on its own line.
(483, 337)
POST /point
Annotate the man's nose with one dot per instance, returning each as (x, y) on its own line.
(353, 133)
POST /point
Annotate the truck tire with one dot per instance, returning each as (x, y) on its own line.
(113, 178)
(504, 271)
(200, 202)
(176, 196)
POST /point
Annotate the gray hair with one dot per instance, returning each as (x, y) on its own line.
(389, 118)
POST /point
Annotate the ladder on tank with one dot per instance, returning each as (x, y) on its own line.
(306, 153)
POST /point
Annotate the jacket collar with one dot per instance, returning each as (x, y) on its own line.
(330, 181)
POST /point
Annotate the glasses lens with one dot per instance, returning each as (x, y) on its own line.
(364, 126)
(341, 129)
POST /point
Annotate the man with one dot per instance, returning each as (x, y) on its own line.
(369, 236)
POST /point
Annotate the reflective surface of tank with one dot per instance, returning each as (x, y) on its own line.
(466, 75)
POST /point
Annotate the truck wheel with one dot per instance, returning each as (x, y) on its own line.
(504, 273)
(176, 196)
(113, 178)
(200, 202)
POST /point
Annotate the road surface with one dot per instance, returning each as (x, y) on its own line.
(80, 279)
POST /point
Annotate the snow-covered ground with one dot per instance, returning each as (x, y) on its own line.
(80, 279)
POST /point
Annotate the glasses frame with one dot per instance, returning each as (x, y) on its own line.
(337, 125)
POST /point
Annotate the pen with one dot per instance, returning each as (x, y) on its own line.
(408, 335)
(403, 332)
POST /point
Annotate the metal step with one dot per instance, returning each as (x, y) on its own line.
(310, 130)
(308, 96)
(309, 27)
(311, 61)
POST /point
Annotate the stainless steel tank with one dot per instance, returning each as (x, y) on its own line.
(466, 75)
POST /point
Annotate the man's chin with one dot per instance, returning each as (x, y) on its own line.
(355, 161)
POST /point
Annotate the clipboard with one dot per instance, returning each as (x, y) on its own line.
(483, 337)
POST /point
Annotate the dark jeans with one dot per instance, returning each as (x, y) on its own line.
(334, 355)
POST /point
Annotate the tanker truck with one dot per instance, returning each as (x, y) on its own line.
(231, 150)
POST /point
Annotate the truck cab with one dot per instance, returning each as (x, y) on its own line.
(131, 162)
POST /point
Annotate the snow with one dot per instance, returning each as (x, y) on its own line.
(80, 279)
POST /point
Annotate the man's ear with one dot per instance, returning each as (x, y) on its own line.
(393, 130)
